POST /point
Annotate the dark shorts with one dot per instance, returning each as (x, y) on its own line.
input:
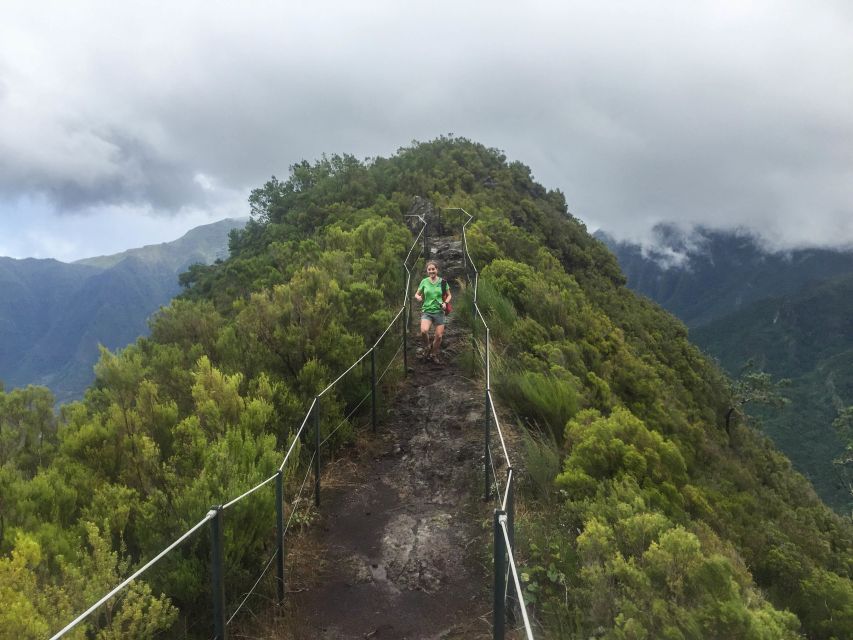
(436, 318)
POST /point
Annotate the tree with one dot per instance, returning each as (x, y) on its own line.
(754, 387)
(843, 425)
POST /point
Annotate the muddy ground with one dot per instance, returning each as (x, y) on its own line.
(401, 547)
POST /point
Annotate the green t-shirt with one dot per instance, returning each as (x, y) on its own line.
(432, 295)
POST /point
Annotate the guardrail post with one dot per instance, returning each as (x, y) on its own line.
(510, 507)
(488, 370)
(373, 387)
(317, 451)
(487, 454)
(279, 522)
(217, 574)
(474, 321)
(405, 321)
(498, 608)
(510, 526)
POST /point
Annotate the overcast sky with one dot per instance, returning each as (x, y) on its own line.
(127, 123)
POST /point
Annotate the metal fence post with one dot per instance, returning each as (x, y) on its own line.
(373, 387)
(279, 522)
(487, 454)
(405, 320)
(510, 526)
(217, 574)
(474, 318)
(510, 507)
(488, 370)
(317, 451)
(498, 608)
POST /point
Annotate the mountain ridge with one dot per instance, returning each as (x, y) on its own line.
(716, 272)
(643, 513)
(56, 313)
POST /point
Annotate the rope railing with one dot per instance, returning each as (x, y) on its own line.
(214, 515)
(502, 521)
(132, 577)
(504, 515)
(504, 524)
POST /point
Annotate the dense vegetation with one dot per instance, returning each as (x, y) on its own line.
(788, 314)
(807, 337)
(644, 517)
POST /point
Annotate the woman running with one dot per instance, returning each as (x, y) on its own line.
(432, 310)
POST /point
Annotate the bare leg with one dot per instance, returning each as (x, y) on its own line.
(425, 325)
(436, 343)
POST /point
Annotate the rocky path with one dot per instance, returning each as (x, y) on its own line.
(402, 542)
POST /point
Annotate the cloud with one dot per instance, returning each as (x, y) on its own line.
(723, 114)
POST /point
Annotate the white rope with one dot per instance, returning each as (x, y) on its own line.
(298, 433)
(252, 590)
(390, 325)
(293, 511)
(495, 476)
(211, 513)
(338, 379)
(250, 491)
(347, 417)
(509, 480)
(502, 521)
(390, 362)
(482, 317)
(133, 576)
(498, 427)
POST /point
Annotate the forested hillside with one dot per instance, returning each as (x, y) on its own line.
(806, 337)
(703, 275)
(53, 315)
(642, 515)
(787, 313)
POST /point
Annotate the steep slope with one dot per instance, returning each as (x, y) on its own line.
(786, 312)
(806, 337)
(32, 292)
(642, 515)
(703, 275)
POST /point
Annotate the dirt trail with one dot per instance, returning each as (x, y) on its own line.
(402, 535)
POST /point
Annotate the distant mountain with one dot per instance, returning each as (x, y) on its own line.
(53, 315)
(791, 313)
(703, 275)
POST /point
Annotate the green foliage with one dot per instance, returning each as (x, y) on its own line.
(605, 449)
(545, 401)
(843, 425)
(755, 388)
(643, 521)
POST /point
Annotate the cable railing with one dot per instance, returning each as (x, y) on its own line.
(215, 515)
(504, 515)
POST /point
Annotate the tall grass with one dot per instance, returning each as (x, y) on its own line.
(499, 312)
(541, 462)
(543, 400)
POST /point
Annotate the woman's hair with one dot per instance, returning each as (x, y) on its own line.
(433, 263)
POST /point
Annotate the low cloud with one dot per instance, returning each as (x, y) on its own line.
(722, 114)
